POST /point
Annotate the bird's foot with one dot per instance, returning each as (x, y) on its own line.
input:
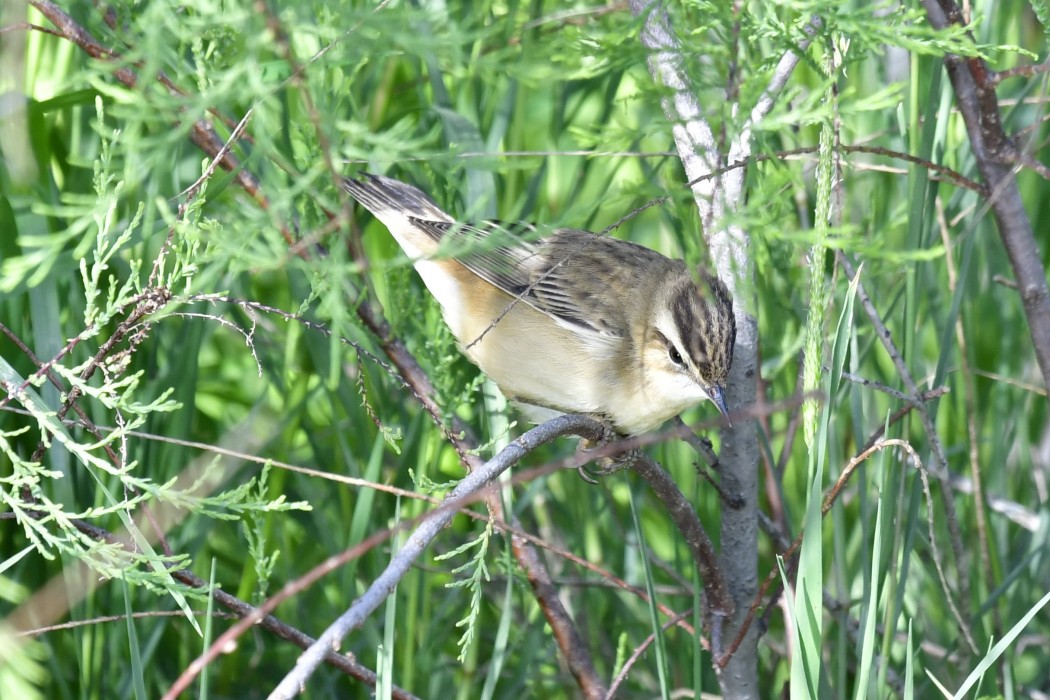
(602, 465)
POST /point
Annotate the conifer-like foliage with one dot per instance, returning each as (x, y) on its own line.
(224, 389)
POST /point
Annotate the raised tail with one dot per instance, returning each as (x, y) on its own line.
(386, 197)
(396, 204)
(405, 211)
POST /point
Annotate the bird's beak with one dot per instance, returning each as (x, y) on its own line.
(718, 395)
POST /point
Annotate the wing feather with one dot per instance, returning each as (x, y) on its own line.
(565, 275)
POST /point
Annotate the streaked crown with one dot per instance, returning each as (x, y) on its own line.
(703, 314)
(695, 327)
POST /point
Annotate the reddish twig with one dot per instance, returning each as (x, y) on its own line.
(1026, 71)
(996, 154)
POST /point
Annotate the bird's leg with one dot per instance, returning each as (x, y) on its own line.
(610, 465)
(604, 466)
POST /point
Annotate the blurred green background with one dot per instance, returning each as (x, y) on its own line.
(541, 111)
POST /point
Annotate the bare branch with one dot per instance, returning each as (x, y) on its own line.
(421, 538)
(1020, 72)
(562, 625)
(729, 247)
(781, 74)
(995, 152)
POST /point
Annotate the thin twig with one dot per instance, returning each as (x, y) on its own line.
(639, 650)
(1026, 71)
(993, 150)
(899, 395)
(936, 445)
(421, 537)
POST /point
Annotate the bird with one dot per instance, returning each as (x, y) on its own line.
(566, 321)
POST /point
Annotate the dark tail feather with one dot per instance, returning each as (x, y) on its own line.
(381, 194)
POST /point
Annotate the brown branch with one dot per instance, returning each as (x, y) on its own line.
(719, 602)
(28, 26)
(1029, 161)
(566, 635)
(995, 153)
(1027, 71)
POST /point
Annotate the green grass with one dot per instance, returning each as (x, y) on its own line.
(513, 110)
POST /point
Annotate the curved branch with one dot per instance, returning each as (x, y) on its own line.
(719, 602)
(421, 538)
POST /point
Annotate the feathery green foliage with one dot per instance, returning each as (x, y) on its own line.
(233, 399)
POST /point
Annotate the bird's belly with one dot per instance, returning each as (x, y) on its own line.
(538, 362)
(526, 353)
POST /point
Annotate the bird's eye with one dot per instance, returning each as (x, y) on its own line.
(676, 357)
